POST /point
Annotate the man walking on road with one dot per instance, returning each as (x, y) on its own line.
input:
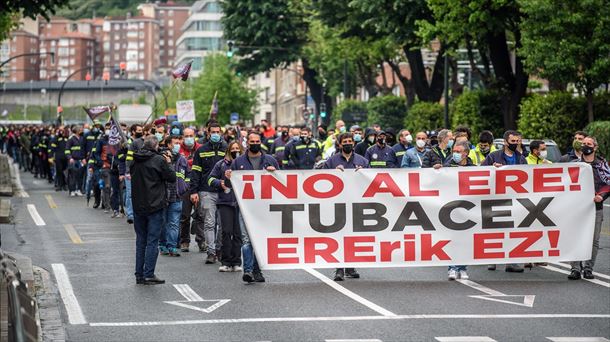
(150, 171)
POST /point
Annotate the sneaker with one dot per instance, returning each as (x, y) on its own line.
(452, 274)
(140, 281)
(211, 259)
(514, 268)
(463, 274)
(202, 247)
(175, 252)
(248, 277)
(491, 267)
(339, 274)
(72, 194)
(129, 221)
(115, 214)
(352, 273)
(184, 247)
(163, 250)
(574, 275)
(588, 274)
(236, 269)
(106, 211)
(258, 277)
(78, 193)
(225, 268)
(96, 205)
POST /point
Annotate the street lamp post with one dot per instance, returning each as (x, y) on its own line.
(30, 54)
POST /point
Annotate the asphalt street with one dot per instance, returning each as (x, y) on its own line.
(91, 258)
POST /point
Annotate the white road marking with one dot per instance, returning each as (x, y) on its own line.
(188, 293)
(497, 296)
(344, 318)
(578, 339)
(606, 205)
(594, 281)
(19, 192)
(75, 314)
(465, 339)
(563, 264)
(355, 340)
(349, 293)
(192, 297)
(35, 215)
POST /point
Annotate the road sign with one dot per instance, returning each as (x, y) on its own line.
(185, 110)
(234, 118)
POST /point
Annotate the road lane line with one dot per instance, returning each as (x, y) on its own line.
(601, 275)
(349, 293)
(52, 204)
(480, 287)
(347, 318)
(19, 192)
(606, 205)
(465, 339)
(355, 340)
(188, 293)
(35, 215)
(73, 234)
(578, 339)
(75, 314)
(594, 281)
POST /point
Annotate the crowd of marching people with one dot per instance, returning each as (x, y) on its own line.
(173, 181)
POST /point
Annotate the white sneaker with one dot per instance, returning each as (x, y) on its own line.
(224, 268)
(72, 193)
(453, 274)
(463, 274)
(237, 269)
(78, 193)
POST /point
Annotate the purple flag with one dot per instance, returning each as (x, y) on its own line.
(182, 71)
(95, 112)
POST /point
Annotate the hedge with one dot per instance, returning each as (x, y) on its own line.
(387, 111)
(424, 116)
(352, 112)
(480, 110)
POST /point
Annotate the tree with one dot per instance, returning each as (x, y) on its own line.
(568, 42)
(8, 22)
(488, 26)
(270, 34)
(218, 76)
(32, 8)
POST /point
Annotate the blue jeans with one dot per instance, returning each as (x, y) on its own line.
(457, 268)
(171, 225)
(147, 229)
(128, 205)
(250, 263)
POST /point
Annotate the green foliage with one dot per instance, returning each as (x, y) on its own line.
(480, 110)
(8, 22)
(424, 116)
(32, 8)
(567, 41)
(601, 131)
(78, 9)
(350, 110)
(233, 93)
(554, 116)
(387, 111)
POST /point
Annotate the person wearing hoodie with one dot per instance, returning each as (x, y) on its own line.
(150, 173)
(187, 150)
(370, 135)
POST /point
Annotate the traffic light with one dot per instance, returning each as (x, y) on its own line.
(323, 110)
(122, 67)
(88, 77)
(230, 43)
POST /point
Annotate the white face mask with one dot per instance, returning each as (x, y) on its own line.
(420, 143)
(409, 138)
(543, 154)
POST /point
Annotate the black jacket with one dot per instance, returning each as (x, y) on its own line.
(205, 158)
(149, 173)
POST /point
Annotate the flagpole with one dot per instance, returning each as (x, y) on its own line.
(212, 106)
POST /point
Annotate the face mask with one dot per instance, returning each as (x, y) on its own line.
(296, 138)
(176, 148)
(381, 141)
(175, 131)
(347, 148)
(357, 137)
(484, 150)
(371, 139)
(457, 157)
(284, 133)
(234, 154)
(322, 133)
(420, 143)
(577, 145)
(587, 150)
(215, 137)
(342, 129)
(86, 130)
(305, 140)
(450, 143)
(159, 136)
(255, 148)
(139, 135)
(106, 133)
(543, 154)
(95, 131)
(409, 138)
(190, 141)
(513, 147)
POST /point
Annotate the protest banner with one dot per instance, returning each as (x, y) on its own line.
(185, 110)
(418, 217)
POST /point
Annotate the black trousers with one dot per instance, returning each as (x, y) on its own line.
(231, 235)
(60, 166)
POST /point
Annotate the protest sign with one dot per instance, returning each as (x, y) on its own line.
(185, 110)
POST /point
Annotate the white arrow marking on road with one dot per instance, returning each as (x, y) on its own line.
(497, 296)
(192, 297)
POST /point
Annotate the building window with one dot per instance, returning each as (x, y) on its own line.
(141, 45)
(141, 34)
(170, 23)
(43, 74)
(106, 46)
(71, 41)
(141, 25)
(170, 13)
(63, 51)
(141, 66)
(117, 46)
(161, 42)
(161, 13)
(170, 42)
(170, 33)
(142, 54)
(170, 52)
(72, 51)
(72, 61)
(117, 36)
(117, 27)
(211, 7)
(116, 56)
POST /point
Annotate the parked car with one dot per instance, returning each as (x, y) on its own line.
(553, 154)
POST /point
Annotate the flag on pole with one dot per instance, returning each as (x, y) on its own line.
(116, 136)
(214, 108)
(182, 71)
(95, 112)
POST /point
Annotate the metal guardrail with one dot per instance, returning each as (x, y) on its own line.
(21, 312)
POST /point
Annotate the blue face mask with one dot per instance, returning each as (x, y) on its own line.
(176, 148)
(190, 141)
(357, 137)
(450, 143)
(215, 137)
(296, 138)
(159, 136)
(457, 157)
(175, 131)
(86, 131)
